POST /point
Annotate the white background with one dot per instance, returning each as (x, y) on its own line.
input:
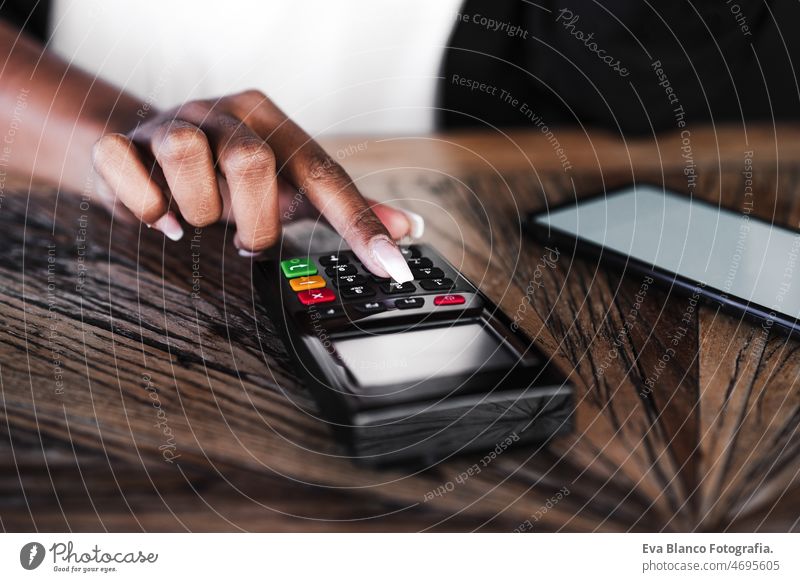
(381, 557)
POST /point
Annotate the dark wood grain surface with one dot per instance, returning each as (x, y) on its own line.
(142, 386)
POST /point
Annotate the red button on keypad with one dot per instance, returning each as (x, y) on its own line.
(448, 300)
(314, 296)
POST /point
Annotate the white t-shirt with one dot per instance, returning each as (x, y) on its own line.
(343, 66)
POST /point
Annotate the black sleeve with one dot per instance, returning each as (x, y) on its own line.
(632, 68)
(31, 16)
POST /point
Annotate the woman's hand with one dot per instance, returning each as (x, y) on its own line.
(237, 158)
(241, 158)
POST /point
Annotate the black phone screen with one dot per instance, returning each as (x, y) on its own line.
(731, 252)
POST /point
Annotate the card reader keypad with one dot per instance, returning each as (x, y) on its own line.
(337, 282)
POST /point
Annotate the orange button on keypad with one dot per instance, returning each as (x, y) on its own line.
(303, 283)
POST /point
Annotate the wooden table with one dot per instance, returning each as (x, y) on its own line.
(143, 388)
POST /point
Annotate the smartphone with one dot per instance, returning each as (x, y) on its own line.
(746, 265)
(413, 372)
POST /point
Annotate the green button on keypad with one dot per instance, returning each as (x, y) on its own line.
(298, 268)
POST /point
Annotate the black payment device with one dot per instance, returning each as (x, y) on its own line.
(417, 371)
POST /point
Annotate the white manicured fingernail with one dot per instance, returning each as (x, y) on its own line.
(243, 252)
(169, 225)
(391, 259)
(417, 223)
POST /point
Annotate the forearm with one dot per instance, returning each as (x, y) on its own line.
(51, 114)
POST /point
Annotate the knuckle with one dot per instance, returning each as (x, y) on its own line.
(181, 142)
(364, 223)
(195, 109)
(253, 96)
(230, 123)
(247, 103)
(249, 154)
(324, 169)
